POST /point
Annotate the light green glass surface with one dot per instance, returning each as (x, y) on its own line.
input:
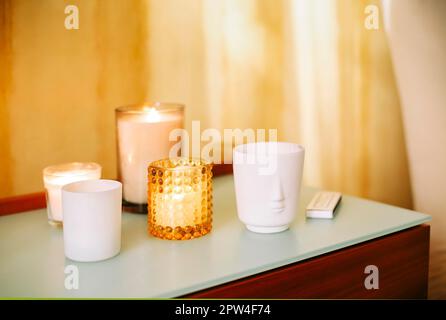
(32, 260)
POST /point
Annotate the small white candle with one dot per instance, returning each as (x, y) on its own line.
(143, 137)
(55, 177)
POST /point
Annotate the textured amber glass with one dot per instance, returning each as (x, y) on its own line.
(179, 198)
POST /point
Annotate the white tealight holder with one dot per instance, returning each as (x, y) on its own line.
(267, 177)
(56, 176)
(92, 219)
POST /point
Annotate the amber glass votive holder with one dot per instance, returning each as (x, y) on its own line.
(179, 198)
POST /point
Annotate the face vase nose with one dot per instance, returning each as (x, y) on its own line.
(277, 201)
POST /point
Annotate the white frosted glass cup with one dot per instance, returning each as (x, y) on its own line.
(267, 178)
(92, 219)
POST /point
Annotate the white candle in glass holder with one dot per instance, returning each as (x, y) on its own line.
(55, 177)
(180, 195)
(143, 137)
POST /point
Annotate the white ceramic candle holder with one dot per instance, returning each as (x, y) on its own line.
(92, 219)
(55, 177)
(267, 177)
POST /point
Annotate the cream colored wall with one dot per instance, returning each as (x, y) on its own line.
(61, 86)
(308, 68)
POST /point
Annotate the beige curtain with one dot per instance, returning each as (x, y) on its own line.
(308, 68)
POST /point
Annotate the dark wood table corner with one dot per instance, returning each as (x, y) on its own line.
(402, 259)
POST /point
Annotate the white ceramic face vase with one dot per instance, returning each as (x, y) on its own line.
(267, 177)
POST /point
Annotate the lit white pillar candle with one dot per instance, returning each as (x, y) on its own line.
(55, 177)
(143, 136)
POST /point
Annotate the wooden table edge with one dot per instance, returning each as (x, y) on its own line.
(389, 251)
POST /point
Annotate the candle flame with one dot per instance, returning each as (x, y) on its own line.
(151, 114)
